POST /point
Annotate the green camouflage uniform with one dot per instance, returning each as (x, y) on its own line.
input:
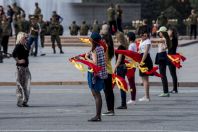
(54, 31)
(74, 29)
(42, 33)
(84, 29)
(96, 28)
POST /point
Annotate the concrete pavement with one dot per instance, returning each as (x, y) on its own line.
(67, 108)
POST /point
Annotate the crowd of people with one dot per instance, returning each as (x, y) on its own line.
(97, 55)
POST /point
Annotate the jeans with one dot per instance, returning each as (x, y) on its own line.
(30, 42)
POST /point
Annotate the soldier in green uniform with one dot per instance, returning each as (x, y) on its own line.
(17, 24)
(6, 29)
(17, 10)
(37, 11)
(96, 27)
(84, 28)
(162, 20)
(54, 32)
(74, 28)
(111, 16)
(193, 24)
(25, 24)
(43, 30)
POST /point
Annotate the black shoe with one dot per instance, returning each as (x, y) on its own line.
(25, 105)
(173, 92)
(122, 107)
(54, 51)
(19, 105)
(61, 52)
(43, 54)
(94, 119)
(108, 113)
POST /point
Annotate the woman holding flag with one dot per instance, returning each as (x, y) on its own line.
(96, 81)
(146, 63)
(120, 67)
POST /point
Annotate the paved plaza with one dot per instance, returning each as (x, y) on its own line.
(67, 108)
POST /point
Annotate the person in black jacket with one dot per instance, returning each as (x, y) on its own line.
(172, 51)
(20, 54)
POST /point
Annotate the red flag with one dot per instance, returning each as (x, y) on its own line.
(133, 55)
(121, 83)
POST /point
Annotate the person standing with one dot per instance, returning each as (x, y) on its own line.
(162, 60)
(20, 54)
(109, 95)
(120, 67)
(6, 30)
(146, 62)
(56, 17)
(17, 10)
(119, 17)
(96, 27)
(162, 20)
(37, 11)
(172, 51)
(43, 30)
(132, 47)
(34, 30)
(10, 14)
(54, 32)
(111, 17)
(193, 24)
(96, 82)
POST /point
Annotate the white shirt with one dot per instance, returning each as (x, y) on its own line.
(132, 47)
(143, 44)
(162, 46)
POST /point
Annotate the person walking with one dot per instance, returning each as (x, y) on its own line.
(20, 54)
(162, 60)
(96, 82)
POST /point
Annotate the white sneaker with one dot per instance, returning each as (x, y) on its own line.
(144, 99)
(131, 102)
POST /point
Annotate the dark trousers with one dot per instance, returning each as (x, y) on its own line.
(119, 24)
(113, 27)
(109, 95)
(132, 87)
(162, 69)
(121, 71)
(42, 40)
(30, 42)
(4, 44)
(193, 30)
(56, 38)
(173, 73)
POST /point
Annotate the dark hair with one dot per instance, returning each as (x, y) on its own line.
(131, 36)
(168, 41)
(108, 39)
(174, 32)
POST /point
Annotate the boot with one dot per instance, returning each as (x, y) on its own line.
(54, 50)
